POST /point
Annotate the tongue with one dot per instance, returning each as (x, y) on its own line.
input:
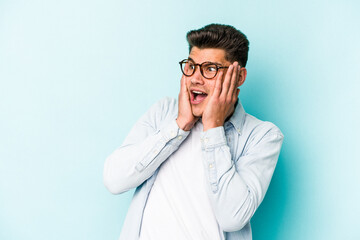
(200, 97)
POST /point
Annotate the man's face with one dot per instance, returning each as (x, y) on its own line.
(197, 84)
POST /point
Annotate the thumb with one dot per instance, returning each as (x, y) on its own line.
(183, 84)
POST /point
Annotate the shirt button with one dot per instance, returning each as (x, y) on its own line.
(180, 137)
(210, 166)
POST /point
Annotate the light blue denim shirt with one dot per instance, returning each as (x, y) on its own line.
(239, 160)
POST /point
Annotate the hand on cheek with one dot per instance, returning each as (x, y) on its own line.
(222, 101)
(185, 119)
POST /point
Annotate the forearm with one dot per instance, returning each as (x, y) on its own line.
(234, 203)
(237, 187)
(135, 161)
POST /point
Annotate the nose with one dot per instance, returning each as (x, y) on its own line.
(197, 78)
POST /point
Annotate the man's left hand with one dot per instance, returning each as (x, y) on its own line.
(222, 101)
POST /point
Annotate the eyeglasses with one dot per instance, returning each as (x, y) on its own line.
(207, 69)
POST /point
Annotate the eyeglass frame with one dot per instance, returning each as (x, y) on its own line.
(200, 67)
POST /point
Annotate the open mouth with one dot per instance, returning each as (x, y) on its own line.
(197, 96)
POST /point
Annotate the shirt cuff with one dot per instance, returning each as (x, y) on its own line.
(212, 138)
(217, 157)
(173, 134)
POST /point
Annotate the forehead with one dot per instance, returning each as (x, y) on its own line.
(200, 55)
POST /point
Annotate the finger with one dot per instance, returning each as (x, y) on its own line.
(227, 81)
(217, 88)
(237, 93)
(234, 79)
(183, 80)
(183, 88)
(186, 67)
(238, 75)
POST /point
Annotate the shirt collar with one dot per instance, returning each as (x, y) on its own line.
(238, 117)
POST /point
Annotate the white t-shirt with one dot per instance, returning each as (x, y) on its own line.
(178, 206)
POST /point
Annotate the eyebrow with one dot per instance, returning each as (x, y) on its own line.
(206, 61)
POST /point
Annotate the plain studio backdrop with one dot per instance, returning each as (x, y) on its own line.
(76, 75)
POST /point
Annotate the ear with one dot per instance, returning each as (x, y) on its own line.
(243, 73)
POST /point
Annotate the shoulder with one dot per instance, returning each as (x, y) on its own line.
(254, 124)
(256, 130)
(162, 111)
(165, 106)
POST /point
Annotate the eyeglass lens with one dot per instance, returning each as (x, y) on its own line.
(208, 70)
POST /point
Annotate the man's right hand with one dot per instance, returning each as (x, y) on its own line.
(185, 120)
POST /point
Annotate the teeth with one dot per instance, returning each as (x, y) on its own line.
(196, 92)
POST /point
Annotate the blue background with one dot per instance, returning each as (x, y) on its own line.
(75, 76)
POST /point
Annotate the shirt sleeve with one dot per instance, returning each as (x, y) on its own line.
(236, 187)
(150, 142)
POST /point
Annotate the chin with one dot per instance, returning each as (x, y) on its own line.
(197, 112)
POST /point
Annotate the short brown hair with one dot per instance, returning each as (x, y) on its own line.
(225, 37)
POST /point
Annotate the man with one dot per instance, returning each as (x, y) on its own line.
(200, 165)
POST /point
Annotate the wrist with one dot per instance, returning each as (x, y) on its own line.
(212, 124)
(184, 125)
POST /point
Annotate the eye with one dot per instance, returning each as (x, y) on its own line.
(191, 66)
(210, 68)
